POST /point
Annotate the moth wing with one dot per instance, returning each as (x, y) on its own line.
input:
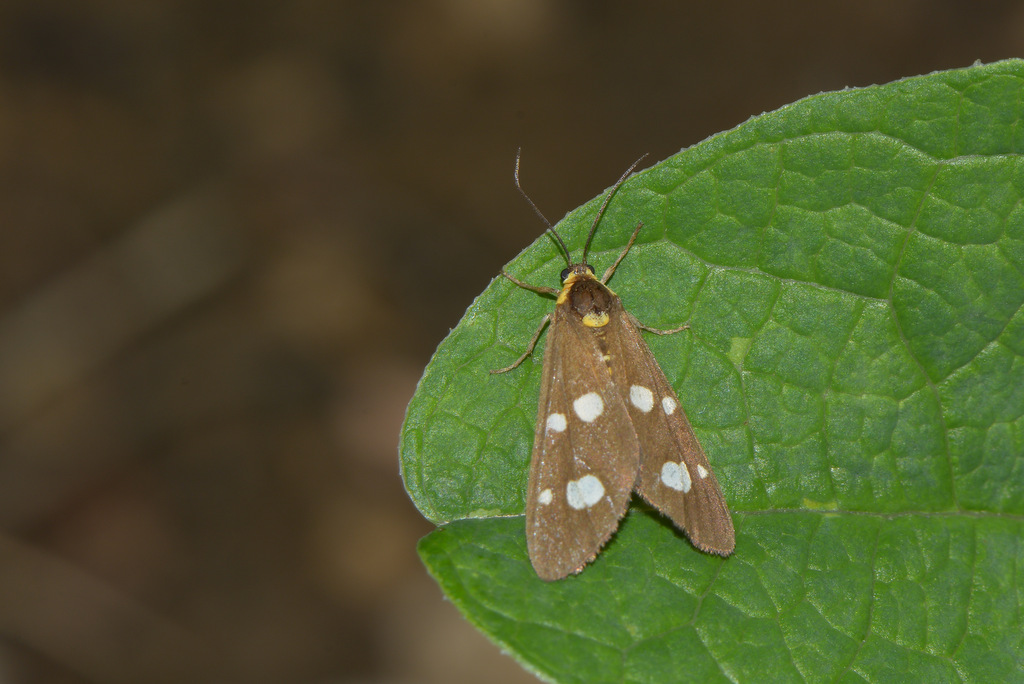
(585, 453)
(675, 475)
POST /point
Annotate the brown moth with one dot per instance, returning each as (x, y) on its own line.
(608, 424)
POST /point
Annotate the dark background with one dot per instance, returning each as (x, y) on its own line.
(231, 235)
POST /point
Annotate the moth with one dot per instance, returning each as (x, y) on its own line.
(608, 424)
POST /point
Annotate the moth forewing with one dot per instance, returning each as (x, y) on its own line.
(675, 475)
(585, 453)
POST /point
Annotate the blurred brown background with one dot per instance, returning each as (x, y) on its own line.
(231, 235)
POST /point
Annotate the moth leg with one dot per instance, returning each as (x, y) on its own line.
(632, 239)
(539, 289)
(529, 348)
(656, 331)
(659, 331)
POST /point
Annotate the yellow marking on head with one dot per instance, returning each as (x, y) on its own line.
(566, 286)
(596, 319)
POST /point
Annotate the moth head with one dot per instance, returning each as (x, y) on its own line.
(576, 270)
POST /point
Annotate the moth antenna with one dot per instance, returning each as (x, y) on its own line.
(551, 228)
(604, 205)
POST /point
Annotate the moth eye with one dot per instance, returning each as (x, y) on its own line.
(590, 268)
(565, 274)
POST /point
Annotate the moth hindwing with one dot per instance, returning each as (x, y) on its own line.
(608, 424)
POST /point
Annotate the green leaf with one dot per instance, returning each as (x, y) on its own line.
(852, 269)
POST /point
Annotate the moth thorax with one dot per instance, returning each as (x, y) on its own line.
(591, 301)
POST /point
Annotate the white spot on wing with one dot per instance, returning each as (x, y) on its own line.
(545, 497)
(641, 397)
(702, 471)
(584, 492)
(669, 404)
(676, 476)
(556, 422)
(589, 407)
